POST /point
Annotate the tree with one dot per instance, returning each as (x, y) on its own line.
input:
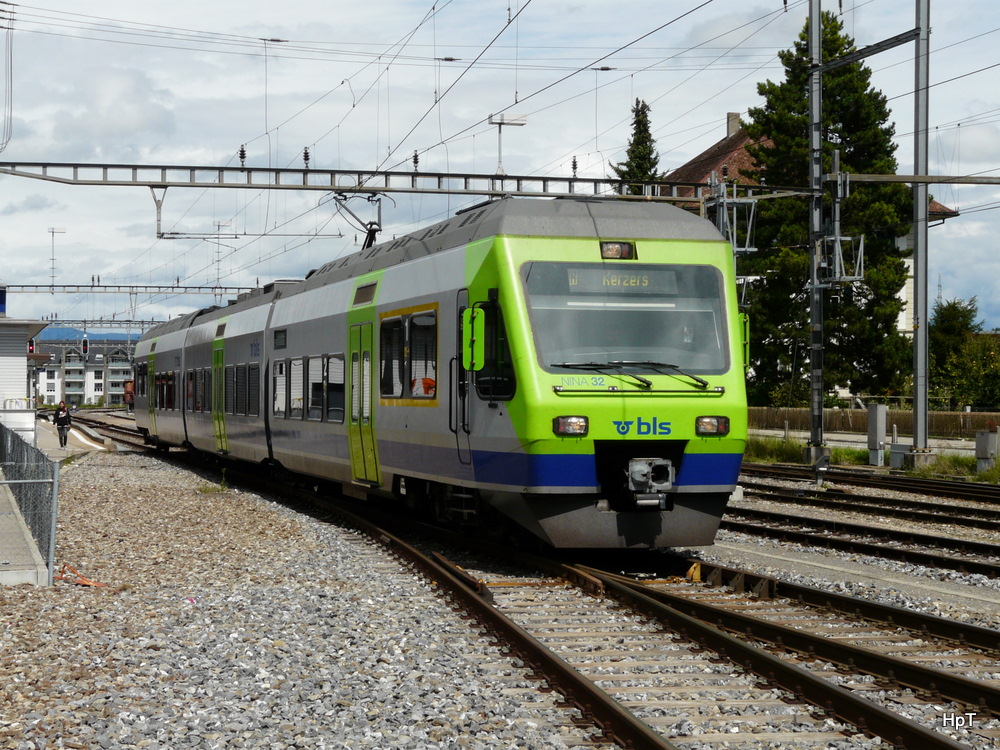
(953, 323)
(641, 158)
(973, 372)
(863, 347)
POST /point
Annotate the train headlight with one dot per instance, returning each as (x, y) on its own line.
(571, 426)
(617, 250)
(711, 426)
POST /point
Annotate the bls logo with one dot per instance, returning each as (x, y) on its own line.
(642, 427)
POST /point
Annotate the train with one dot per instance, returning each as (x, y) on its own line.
(569, 367)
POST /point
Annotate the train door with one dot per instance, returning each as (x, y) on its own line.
(458, 398)
(152, 405)
(219, 397)
(361, 428)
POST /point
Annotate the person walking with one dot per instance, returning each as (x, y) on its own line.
(63, 422)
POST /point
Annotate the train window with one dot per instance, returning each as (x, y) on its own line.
(366, 389)
(230, 389)
(189, 390)
(495, 382)
(355, 387)
(365, 294)
(423, 355)
(279, 389)
(171, 391)
(206, 391)
(199, 385)
(295, 383)
(253, 390)
(335, 388)
(241, 389)
(314, 387)
(392, 362)
(281, 338)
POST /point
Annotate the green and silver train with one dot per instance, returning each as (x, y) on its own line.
(575, 367)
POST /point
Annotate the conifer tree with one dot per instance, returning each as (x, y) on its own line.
(641, 157)
(863, 348)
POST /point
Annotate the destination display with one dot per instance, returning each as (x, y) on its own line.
(600, 280)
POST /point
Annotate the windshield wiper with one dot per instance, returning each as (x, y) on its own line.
(661, 365)
(645, 382)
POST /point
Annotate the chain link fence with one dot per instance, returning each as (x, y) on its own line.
(31, 480)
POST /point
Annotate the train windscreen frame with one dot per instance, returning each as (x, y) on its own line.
(604, 312)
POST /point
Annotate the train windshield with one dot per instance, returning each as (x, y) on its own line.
(627, 312)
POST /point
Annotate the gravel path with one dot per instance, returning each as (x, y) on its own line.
(228, 620)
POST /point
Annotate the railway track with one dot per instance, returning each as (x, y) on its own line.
(924, 510)
(980, 492)
(668, 654)
(665, 662)
(964, 556)
(892, 656)
(120, 433)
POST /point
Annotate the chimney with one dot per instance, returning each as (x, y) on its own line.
(732, 123)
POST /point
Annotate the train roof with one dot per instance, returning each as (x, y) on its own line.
(612, 218)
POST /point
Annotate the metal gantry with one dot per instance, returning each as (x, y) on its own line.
(126, 289)
(104, 323)
(158, 178)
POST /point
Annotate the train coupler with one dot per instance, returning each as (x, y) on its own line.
(656, 500)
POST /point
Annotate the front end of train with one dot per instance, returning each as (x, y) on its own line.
(629, 408)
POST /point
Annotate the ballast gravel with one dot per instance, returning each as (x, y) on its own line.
(229, 621)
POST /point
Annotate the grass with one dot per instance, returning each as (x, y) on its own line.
(849, 456)
(212, 488)
(951, 465)
(772, 450)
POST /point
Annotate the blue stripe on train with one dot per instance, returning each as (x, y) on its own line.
(578, 470)
(544, 470)
(709, 468)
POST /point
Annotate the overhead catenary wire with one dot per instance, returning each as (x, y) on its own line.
(404, 58)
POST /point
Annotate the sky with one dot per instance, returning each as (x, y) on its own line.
(367, 85)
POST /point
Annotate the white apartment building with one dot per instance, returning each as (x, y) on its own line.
(95, 377)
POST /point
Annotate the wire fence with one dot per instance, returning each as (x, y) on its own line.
(32, 480)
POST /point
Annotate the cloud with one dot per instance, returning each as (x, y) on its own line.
(28, 204)
(107, 114)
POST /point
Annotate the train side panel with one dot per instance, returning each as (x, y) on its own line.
(306, 342)
(416, 388)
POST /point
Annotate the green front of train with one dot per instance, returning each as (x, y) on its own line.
(620, 363)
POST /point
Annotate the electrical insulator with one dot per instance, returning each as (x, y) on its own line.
(416, 161)
(574, 166)
(305, 156)
(243, 156)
